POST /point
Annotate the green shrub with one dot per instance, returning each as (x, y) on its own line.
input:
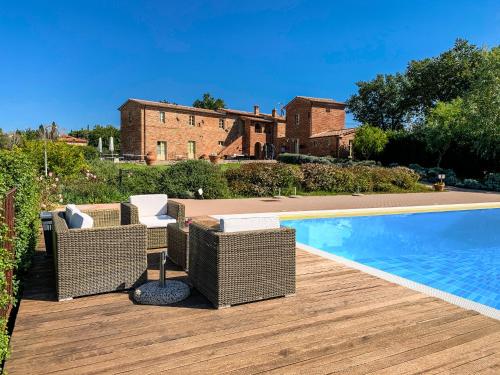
(144, 180)
(263, 179)
(17, 171)
(492, 181)
(338, 179)
(89, 152)
(62, 159)
(182, 180)
(328, 178)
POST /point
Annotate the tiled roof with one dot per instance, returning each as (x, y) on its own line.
(70, 139)
(218, 112)
(315, 100)
(319, 100)
(330, 133)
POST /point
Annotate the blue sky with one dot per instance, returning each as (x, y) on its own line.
(76, 62)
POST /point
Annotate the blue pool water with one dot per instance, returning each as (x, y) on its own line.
(457, 252)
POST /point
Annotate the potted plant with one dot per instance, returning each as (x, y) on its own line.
(214, 158)
(150, 158)
(439, 186)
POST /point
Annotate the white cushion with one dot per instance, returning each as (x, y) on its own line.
(70, 210)
(150, 205)
(160, 221)
(240, 224)
(80, 220)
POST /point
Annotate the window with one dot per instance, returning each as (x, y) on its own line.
(308, 115)
(221, 123)
(162, 117)
(129, 117)
(258, 128)
(221, 143)
(191, 120)
(328, 109)
(297, 119)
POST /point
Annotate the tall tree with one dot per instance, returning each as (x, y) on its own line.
(381, 102)
(209, 102)
(401, 100)
(97, 131)
(442, 78)
(481, 108)
(442, 127)
(369, 141)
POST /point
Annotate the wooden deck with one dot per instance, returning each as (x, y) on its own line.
(340, 321)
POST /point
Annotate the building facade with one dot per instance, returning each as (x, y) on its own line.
(176, 132)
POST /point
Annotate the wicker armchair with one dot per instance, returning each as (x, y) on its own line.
(105, 258)
(234, 268)
(157, 237)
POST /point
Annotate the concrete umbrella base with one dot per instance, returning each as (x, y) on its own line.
(151, 293)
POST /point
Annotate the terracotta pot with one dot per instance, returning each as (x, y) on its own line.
(150, 158)
(214, 158)
(438, 187)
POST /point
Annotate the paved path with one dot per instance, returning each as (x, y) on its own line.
(254, 205)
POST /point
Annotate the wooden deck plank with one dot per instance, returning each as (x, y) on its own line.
(341, 320)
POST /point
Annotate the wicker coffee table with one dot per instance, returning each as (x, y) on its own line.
(178, 244)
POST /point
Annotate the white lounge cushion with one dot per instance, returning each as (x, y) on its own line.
(81, 220)
(150, 205)
(70, 210)
(160, 221)
(240, 224)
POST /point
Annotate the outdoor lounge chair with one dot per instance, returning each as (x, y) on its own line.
(95, 254)
(238, 261)
(155, 211)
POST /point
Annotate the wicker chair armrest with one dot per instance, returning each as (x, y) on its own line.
(176, 210)
(129, 214)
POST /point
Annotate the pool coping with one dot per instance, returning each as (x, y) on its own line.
(374, 211)
(422, 288)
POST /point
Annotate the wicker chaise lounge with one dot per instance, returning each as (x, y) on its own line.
(104, 258)
(230, 268)
(156, 211)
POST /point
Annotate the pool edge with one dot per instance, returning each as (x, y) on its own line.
(422, 288)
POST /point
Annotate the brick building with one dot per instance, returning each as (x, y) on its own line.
(175, 132)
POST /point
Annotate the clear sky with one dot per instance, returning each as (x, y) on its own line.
(76, 62)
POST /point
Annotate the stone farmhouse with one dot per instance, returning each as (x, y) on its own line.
(312, 126)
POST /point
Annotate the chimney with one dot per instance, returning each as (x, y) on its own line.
(256, 110)
(274, 112)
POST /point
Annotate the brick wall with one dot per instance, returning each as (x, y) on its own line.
(302, 131)
(325, 117)
(131, 128)
(175, 131)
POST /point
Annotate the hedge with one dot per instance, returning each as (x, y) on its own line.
(17, 171)
(310, 159)
(335, 179)
(263, 179)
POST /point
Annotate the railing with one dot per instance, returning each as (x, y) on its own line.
(7, 216)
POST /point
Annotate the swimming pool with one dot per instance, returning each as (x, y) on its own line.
(457, 252)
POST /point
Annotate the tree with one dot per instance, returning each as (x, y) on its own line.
(481, 108)
(381, 102)
(442, 78)
(442, 127)
(209, 102)
(97, 131)
(402, 100)
(369, 141)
